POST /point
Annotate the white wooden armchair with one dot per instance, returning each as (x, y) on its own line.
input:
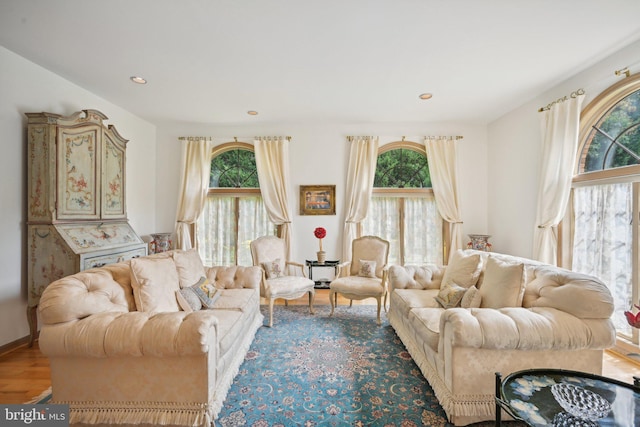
(365, 276)
(279, 279)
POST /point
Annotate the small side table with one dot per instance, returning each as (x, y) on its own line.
(527, 396)
(322, 283)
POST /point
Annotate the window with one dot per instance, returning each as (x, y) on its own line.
(605, 198)
(234, 214)
(402, 209)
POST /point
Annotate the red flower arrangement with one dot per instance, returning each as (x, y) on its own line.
(320, 234)
(633, 319)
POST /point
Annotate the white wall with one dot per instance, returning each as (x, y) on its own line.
(26, 87)
(319, 155)
(514, 153)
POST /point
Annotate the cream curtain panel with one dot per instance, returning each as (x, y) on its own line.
(442, 155)
(362, 167)
(196, 166)
(272, 163)
(559, 150)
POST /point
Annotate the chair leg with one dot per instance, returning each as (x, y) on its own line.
(271, 300)
(385, 302)
(333, 298)
(379, 303)
(312, 296)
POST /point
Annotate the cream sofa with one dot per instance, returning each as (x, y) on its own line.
(122, 351)
(518, 314)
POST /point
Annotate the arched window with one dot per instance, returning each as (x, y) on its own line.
(402, 209)
(234, 214)
(605, 198)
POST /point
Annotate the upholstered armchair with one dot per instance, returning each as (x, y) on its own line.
(279, 278)
(365, 276)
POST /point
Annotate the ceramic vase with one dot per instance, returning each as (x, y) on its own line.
(479, 242)
(322, 256)
(161, 242)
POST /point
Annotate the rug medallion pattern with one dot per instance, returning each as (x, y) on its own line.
(316, 370)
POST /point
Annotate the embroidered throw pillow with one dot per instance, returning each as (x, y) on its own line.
(203, 291)
(450, 296)
(367, 268)
(273, 269)
(471, 298)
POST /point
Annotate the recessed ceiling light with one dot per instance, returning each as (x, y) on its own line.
(425, 96)
(252, 113)
(139, 80)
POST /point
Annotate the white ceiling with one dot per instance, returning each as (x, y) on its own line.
(323, 61)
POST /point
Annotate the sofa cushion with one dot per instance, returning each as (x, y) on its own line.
(450, 296)
(155, 282)
(503, 284)
(471, 298)
(406, 299)
(189, 266)
(237, 299)
(426, 325)
(463, 270)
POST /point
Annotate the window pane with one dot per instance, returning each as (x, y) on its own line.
(216, 231)
(615, 139)
(252, 223)
(383, 220)
(234, 169)
(603, 241)
(423, 231)
(402, 168)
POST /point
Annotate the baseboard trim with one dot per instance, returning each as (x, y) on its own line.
(14, 345)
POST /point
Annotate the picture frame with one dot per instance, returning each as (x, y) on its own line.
(317, 200)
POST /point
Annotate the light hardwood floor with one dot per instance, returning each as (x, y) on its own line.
(24, 372)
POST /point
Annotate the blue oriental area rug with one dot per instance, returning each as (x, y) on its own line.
(316, 370)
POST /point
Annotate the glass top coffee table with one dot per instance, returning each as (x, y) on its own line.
(556, 397)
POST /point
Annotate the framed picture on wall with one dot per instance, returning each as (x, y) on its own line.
(317, 200)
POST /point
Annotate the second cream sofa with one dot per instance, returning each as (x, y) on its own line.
(514, 314)
(123, 351)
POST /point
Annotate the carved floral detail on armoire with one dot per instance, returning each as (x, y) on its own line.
(76, 202)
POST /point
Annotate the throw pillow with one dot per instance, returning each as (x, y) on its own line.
(503, 284)
(154, 282)
(203, 291)
(367, 268)
(189, 266)
(471, 298)
(450, 296)
(188, 300)
(273, 269)
(463, 270)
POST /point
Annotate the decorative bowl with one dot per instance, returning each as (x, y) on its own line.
(579, 402)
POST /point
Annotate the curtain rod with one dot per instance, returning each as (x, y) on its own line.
(194, 138)
(457, 137)
(559, 100)
(235, 138)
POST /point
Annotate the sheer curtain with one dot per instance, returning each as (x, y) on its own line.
(196, 166)
(362, 168)
(603, 239)
(442, 154)
(422, 228)
(272, 163)
(217, 242)
(559, 150)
